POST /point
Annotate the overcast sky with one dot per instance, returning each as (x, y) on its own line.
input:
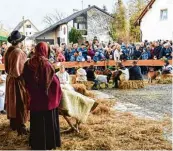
(11, 11)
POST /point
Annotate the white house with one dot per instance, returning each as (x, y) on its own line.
(156, 20)
(27, 28)
(91, 22)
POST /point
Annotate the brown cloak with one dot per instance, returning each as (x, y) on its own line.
(14, 64)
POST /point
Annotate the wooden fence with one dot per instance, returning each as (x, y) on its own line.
(106, 63)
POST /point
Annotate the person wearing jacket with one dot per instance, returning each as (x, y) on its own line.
(166, 51)
(96, 57)
(91, 52)
(137, 52)
(101, 52)
(84, 51)
(131, 51)
(135, 72)
(148, 50)
(80, 58)
(68, 53)
(144, 56)
(125, 52)
(116, 52)
(167, 68)
(157, 50)
(91, 76)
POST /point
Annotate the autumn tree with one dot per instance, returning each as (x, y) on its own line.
(118, 27)
(135, 7)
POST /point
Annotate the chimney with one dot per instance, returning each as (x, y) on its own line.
(89, 6)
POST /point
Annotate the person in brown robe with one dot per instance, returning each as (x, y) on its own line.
(16, 97)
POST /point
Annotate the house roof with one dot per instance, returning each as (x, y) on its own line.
(146, 9)
(20, 24)
(69, 18)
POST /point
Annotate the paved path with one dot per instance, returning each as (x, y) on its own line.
(153, 101)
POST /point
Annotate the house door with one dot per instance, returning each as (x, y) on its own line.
(58, 41)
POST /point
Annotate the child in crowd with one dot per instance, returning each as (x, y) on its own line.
(144, 55)
(96, 57)
(101, 53)
(80, 58)
(60, 56)
(84, 51)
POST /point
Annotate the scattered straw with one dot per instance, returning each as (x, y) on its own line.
(81, 88)
(104, 130)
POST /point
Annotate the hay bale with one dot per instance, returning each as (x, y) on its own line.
(164, 81)
(72, 79)
(131, 84)
(166, 76)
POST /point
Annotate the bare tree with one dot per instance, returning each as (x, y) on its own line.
(50, 19)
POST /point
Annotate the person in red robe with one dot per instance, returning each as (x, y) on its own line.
(45, 95)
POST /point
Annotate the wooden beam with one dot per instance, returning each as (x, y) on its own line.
(105, 63)
(111, 63)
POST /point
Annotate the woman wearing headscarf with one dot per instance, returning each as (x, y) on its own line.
(16, 98)
(45, 95)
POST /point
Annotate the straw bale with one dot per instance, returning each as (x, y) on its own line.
(131, 84)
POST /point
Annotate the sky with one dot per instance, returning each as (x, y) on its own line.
(11, 11)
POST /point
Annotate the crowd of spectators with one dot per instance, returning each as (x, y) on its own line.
(96, 51)
(113, 51)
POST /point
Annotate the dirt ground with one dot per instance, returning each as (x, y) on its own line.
(108, 128)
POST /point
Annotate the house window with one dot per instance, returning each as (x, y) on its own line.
(82, 26)
(75, 25)
(80, 19)
(28, 26)
(30, 33)
(26, 33)
(164, 14)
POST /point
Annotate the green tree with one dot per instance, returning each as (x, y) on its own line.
(135, 9)
(75, 36)
(118, 27)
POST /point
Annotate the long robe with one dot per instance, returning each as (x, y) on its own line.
(45, 96)
(16, 97)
